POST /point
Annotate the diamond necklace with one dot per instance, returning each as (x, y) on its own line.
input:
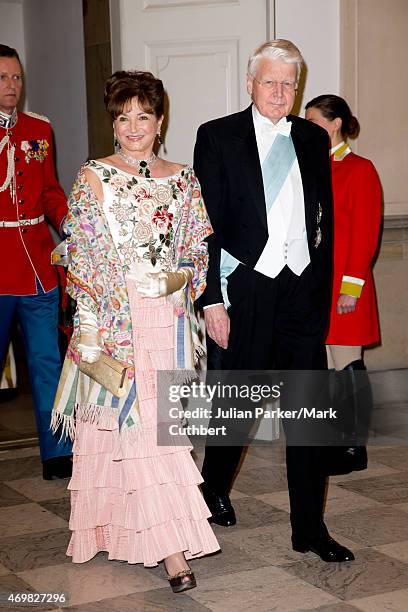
(143, 165)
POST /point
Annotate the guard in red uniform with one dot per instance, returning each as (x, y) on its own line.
(357, 219)
(357, 210)
(30, 194)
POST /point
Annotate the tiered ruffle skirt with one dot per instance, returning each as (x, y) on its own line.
(137, 500)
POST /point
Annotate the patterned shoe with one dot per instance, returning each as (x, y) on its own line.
(183, 581)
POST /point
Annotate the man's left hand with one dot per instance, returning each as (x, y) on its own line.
(217, 323)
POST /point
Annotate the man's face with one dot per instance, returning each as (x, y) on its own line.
(10, 84)
(273, 88)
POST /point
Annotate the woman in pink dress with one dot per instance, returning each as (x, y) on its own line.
(138, 258)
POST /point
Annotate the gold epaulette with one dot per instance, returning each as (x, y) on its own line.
(37, 116)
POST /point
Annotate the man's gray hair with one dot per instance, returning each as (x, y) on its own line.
(279, 49)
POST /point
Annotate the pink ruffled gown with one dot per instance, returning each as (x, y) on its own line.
(136, 500)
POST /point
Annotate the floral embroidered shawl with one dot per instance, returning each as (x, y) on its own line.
(96, 277)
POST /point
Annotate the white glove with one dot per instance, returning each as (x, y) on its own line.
(160, 284)
(89, 336)
(60, 255)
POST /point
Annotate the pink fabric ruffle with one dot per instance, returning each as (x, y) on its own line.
(140, 509)
(147, 546)
(136, 500)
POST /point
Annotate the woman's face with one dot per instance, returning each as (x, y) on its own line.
(332, 127)
(136, 130)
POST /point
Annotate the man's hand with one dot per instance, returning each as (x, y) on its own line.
(346, 303)
(217, 323)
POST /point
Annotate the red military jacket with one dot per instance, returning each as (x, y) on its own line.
(357, 218)
(25, 250)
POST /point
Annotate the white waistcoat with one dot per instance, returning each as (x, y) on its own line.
(287, 237)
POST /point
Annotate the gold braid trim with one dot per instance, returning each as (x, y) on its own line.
(37, 116)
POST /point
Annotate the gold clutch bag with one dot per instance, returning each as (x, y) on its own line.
(108, 372)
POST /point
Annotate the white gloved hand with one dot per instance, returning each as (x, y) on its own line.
(88, 346)
(160, 284)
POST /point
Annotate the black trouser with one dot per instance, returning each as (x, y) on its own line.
(275, 324)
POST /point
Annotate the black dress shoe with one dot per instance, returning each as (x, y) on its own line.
(341, 460)
(359, 457)
(326, 548)
(57, 467)
(222, 512)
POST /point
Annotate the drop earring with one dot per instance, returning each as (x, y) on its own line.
(159, 138)
(116, 145)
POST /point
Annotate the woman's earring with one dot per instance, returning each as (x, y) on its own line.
(159, 138)
(116, 144)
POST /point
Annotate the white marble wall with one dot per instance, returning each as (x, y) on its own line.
(11, 25)
(313, 25)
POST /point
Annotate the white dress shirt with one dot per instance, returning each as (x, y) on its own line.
(287, 238)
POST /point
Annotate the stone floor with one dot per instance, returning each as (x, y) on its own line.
(256, 570)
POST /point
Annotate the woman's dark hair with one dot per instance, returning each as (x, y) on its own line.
(6, 51)
(124, 85)
(331, 107)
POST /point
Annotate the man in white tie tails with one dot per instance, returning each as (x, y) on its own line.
(265, 179)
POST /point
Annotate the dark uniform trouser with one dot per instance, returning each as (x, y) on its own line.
(38, 318)
(275, 324)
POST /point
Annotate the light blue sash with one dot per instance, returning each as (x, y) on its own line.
(275, 168)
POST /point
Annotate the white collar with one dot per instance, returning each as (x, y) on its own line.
(8, 121)
(336, 147)
(283, 126)
(261, 119)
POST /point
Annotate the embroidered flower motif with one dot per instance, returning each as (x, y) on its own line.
(146, 209)
(87, 228)
(181, 184)
(162, 220)
(142, 231)
(142, 192)
(123, 338)
(122, 213)
(124, 229)
(163, 194)
(118, 181)
(127, 251)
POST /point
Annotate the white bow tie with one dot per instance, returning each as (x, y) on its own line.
(280, 128)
